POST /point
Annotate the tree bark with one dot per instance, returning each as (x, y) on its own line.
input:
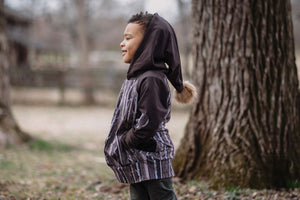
(244, 128)
(10, 132)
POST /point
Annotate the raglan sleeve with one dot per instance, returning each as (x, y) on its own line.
(152, 109)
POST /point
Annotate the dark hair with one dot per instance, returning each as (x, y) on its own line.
(142, 19)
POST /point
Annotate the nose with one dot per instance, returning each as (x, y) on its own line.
(122, 43)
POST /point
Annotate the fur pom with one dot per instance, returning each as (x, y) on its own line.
(187, 95)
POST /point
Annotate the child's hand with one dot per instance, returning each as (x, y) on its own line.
(150, 146)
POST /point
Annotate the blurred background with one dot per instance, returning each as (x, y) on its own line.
(67, 51)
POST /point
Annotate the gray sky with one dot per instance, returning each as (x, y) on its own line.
(166, 8)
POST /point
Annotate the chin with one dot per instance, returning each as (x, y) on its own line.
(127, 61)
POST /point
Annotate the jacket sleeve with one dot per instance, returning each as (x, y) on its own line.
(152, 109)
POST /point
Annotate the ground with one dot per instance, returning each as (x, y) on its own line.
(67, 162)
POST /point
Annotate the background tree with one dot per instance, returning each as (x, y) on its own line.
(81, 7)
(184, 18)
(244, 128)
(10, 132)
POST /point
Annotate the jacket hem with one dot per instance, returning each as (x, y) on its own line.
(143, 171)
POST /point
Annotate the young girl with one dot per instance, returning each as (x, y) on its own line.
(138, 148)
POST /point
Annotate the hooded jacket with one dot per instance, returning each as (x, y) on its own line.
(138, 146)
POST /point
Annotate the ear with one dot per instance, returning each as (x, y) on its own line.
(187, 95)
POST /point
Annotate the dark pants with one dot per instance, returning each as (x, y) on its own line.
(160, 189)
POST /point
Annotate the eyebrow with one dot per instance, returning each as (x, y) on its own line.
(127, 34)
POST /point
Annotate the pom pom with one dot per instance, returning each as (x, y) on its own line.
(187, 95)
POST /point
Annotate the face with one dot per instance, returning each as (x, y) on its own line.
(133, 36)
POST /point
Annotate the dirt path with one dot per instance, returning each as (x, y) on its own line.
(83, 126)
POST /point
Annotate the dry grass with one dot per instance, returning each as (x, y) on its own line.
(66, 162)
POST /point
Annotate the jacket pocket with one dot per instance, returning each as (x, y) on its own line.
(116, 154)
(126, 156)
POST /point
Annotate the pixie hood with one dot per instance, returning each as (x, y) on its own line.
(158, 48)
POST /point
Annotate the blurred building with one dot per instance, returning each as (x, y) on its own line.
(17, 27)
(28, 52)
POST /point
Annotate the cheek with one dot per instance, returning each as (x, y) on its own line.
(130, 51)
(133, 47)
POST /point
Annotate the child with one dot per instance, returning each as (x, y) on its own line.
(138, 148)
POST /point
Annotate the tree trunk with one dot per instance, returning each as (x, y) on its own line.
(185, 19)
(10, 133)
(84, 51)
(244, 128)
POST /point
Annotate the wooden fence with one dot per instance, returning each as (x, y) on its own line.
(106, 79)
